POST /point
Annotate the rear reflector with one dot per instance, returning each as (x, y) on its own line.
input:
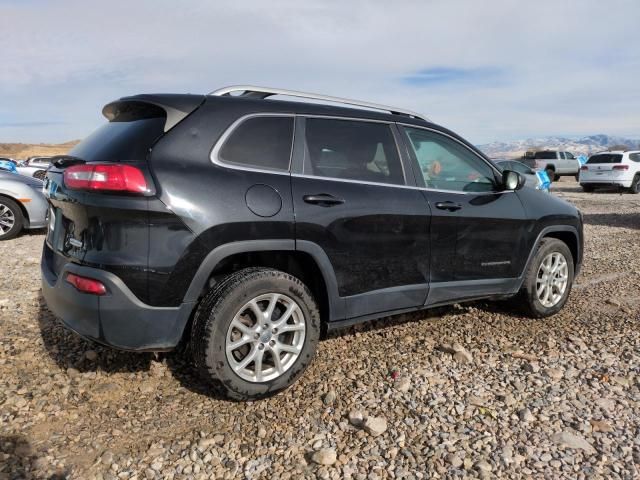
(621, 167)
(584, 168)
(86, 285)
(105, 177)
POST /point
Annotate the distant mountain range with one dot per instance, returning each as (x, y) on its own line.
(577, 145)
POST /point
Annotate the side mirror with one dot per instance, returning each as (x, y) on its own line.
(512, 180)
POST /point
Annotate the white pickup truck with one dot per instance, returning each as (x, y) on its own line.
(556, 163)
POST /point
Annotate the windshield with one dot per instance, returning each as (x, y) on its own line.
(605, 158)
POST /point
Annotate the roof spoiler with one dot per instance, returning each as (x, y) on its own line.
(175, 107)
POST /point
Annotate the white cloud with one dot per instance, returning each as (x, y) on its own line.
(567, 67)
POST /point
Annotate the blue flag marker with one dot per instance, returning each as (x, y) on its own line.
(545, 182)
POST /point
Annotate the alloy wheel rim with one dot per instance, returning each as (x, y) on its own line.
(552, 279)
(265, 337)
(7, 219)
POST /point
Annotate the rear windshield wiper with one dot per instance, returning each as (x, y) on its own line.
(64, 161)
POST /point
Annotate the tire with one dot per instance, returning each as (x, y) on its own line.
(551, 173)
(11, 219)
(577, 177)
(529, 298)
(587, 188)
(40, 174)
(635, 185)
(227, 303)
(556, 178)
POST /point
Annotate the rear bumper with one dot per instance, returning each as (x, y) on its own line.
(117, 319)
(607, 183)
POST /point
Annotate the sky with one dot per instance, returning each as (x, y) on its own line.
(498, 70)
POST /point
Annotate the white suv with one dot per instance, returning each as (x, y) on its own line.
(616, 168)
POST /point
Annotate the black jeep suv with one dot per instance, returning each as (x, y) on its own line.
(244, 225)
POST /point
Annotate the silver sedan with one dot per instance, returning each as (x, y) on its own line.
(22, 204)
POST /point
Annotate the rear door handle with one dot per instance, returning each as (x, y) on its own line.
(323, 199)
(450, 206)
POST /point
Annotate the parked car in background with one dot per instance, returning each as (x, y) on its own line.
(8, 165)
(533, 179)
(556, 163)
(34, 167)
(175, 221)
(612, 169)
(22, 204)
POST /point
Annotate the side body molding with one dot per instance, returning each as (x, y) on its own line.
(444, 293)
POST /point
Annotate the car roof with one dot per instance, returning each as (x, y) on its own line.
(180, 105)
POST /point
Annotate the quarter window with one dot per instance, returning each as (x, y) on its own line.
(447, 165)
(260, 142)
(634, 157)
(353, 150)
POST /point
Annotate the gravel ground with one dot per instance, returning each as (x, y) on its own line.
(467, 391)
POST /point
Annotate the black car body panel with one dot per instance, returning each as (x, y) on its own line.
(373, 247)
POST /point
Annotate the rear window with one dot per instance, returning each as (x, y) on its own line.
(605, 158)
(546, 155)
(260, 142)
(121, 141)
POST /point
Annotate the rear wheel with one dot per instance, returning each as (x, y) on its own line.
(556, 178)
(635, 185)
(548, 280)
(255, 333)
(577, 177)
(551, 173)
(11, 219)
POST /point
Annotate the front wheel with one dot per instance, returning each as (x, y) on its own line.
(255, 333)
(551, 174)
(548, 280)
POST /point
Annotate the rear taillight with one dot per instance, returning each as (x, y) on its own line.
(86, 285)
(105, 177)
(621, 167)
(584, 168)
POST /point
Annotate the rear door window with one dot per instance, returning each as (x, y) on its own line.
(546, 155)
(262, 142)
(605, 158)
(352, 150)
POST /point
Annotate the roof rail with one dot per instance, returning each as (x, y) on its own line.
(251, 91)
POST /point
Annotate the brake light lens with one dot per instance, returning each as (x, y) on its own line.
(105, 177)
(86, 285)
(621, 167)
(584, 168)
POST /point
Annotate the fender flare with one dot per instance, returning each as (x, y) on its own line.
(544, 232)
(336, 303)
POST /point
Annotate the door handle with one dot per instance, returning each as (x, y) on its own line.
(323, 199)
(450, 206)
